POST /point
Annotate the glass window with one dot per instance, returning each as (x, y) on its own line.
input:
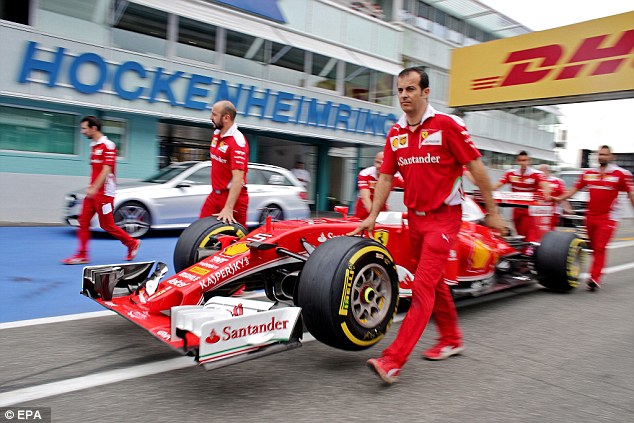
(323, 73)
(255, 177)
(15, 11)
(85, 20)
(116, 131)
(244, 54)
(357, 82)
(384, 88)
(200, 177)
(139, 28)
(196, 40)
(275, 178)
(286, 64)
(37, 131)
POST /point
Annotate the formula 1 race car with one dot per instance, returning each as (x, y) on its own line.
(344, 289)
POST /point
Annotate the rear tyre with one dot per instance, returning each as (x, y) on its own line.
(558, 261)
(134, 218)
(202, 235)
(348, 292)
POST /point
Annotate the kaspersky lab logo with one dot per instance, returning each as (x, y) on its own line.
(549, 62)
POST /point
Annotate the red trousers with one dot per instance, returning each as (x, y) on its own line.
(216, 201)
(432, 237)
(103, 205)
(600, 231)
(522, 222)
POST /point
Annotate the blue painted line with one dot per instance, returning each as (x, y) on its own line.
(33, 282)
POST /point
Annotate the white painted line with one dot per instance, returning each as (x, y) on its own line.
(620, 244)
(33, 393)
(56, 319)
(46, 390)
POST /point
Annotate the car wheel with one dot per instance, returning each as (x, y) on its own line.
(274, 211)
(201, 238)
(559, 260)
(348, 292)
(134, 218)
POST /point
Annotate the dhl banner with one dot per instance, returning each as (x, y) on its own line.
(587, 61)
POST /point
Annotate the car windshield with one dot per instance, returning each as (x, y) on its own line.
(168, 173)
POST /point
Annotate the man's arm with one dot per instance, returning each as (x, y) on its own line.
(99, 181)
(479, 172)
(546, 189)
(495, 187)
(366, 199)
(567, 194)
(381, 192)
(226, 214)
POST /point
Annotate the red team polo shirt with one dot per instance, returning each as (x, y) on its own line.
(231, 152)
(527, 182)
(604, 189)
(430, 159)
(103, 152)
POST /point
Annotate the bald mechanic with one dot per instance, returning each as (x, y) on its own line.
(604, 184)
(429, 149)
(229, 153)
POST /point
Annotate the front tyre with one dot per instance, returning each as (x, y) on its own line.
(200, 239)
(348, 292)
(559, 260)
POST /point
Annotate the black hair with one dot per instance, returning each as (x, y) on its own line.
(93, 122)
(424, 78)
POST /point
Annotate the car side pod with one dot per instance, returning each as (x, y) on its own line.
(232, 330)
(111, 280)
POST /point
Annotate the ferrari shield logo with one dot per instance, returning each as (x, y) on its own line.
(430, 137)
(382, 236)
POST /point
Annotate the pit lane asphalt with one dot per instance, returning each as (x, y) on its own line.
(533, 357)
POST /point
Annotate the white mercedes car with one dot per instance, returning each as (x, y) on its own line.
(172, 198)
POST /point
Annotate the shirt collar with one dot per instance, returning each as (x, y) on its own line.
(429, 112)
(101, 140)
(230, 132)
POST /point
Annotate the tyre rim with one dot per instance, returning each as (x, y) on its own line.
(275, 213)
(371, 294)
(135, 220)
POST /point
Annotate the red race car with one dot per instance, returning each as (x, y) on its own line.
(344, 289)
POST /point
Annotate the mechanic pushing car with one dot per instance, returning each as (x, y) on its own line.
(229, 153)
(365, 183)
(100, 193)
(604, 184)
(524, 179)
(557, 188)
(429, 150)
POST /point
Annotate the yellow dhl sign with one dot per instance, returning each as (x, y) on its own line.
(583, 60)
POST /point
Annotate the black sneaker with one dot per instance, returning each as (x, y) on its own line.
(593, 286)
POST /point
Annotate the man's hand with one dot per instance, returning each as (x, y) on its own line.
(365, 225)
(495, 222)
(91, 191)
(226, 216)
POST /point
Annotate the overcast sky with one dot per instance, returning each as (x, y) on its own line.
(589, 124)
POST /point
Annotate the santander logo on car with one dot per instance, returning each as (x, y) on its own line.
(229, 332)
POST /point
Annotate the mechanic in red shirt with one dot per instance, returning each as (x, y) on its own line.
(366, 182)
(557, 188)
(429, 149)
(229, 152)
(604, 184)
(524, 179)
(100, 193)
